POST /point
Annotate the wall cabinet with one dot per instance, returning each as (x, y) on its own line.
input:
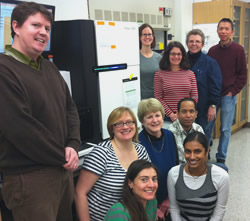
(239, 13)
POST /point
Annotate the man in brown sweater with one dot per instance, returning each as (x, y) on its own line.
(39, 124)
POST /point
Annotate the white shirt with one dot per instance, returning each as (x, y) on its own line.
(220, 180)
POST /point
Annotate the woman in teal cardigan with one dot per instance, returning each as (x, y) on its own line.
(138, 201)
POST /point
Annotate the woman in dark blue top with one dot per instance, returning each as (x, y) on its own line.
(209, 81)
(160, 145)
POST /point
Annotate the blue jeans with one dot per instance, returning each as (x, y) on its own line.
(206, 126)
(226, 117)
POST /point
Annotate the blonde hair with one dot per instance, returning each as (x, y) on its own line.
(115, 115)
(147, 106)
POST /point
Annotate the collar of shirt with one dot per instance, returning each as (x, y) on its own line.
(153, 138)
(23, 58)
(193, 58)
(180, 128)
(226, 45)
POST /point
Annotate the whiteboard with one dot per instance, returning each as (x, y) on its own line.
(117, 42)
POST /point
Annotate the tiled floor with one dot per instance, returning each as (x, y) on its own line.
(238, 163)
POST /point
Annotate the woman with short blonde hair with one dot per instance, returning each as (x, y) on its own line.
(160, 145)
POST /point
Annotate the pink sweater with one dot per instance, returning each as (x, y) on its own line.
(172, 86)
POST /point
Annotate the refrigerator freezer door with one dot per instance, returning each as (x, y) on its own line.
(117, 88)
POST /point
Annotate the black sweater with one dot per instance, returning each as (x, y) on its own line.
(38, 118)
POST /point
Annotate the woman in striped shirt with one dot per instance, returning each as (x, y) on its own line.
(138, 196)
(100, 182)
(174, 81)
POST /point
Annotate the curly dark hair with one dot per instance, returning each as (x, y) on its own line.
(165, 63)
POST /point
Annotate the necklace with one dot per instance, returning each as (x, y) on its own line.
(196, 177)
(162, 145)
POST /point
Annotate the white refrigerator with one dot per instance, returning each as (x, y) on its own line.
(102, 58)
(117, 43)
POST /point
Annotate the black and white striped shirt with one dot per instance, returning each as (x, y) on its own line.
(108, 188)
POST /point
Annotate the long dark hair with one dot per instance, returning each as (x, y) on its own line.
(129, 200)
(165, 63)
(199, 137)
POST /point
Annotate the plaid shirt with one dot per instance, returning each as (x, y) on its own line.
(180, 135)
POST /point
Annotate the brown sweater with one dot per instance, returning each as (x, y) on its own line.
(38, 118)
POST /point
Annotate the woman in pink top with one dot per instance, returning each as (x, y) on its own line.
(174, 81)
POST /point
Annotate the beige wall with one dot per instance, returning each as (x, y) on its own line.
(67, 9)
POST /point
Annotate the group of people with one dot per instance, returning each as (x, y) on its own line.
(213, 80)
(192, 87)
(135, 177)
(154, 174)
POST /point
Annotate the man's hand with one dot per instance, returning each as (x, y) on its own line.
(211, 114)
(229, 94)
(72, 159)
(160, 215)
(164, 206)
(173, 117)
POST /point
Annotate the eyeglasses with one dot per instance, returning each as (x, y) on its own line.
(147, 35)
(176, 54)
(121, 124)
(194, 42)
